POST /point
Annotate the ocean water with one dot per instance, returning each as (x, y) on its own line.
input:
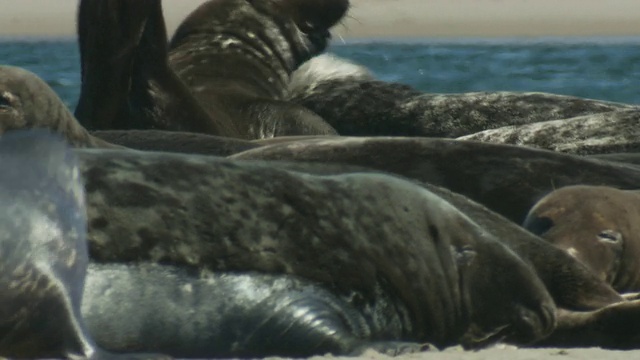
(597, 68)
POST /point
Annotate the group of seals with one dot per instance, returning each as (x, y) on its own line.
(225, 71)
(228, 257)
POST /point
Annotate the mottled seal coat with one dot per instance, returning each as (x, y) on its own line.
(351, 233)
(598, 225)
(26, 101)
(349, 98)
(236, 57)
(607, 132)
(43, 250)
(175, 141)
(126, 79)
(507, 179)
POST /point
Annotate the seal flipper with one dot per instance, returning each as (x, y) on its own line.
(43, 248)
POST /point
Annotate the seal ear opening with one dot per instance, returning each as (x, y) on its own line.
(538, 225)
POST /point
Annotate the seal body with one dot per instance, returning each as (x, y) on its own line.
(43, 250)
(126, 79)
(371, 230)
(236, 56)
(507, 179)
(355, 103)
(26, 102)
(607, 132)
(595, 224)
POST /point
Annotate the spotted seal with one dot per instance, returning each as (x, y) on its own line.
(355, 103)
(606, 132)
(43, 250)
(373, 231)
(595, 224)
(237, 55)
(507, 179)
(26, 101)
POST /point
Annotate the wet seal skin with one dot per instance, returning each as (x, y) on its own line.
(355, 103)
(126, 79)
(26, 101)
(598, 225)
(507, 179)
(607, 132)
(348, 233)
(236, 56)
(43, 251)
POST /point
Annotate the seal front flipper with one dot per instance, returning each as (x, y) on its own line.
(43, 248)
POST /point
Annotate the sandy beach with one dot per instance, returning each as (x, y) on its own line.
(389, 18)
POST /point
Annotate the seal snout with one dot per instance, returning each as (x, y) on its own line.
(533, 324)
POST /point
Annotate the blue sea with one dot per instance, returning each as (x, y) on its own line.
(597, 68)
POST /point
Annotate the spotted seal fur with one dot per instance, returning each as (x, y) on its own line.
(355, 103)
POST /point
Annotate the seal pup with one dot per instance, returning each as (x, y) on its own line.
(507, 179)
(607, 132)
(355, 103)
(43, 250)
(126, 79)
(26, 101)
(370, 229)
(598, 225)
(237, 56)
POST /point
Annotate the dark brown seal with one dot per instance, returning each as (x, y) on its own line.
(507, 179)
(236, 56)
(355, 103)
(597, 225)
(26, 101)
(370, 230)
(126, 79)
(606, 132)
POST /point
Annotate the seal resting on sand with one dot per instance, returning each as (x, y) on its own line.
(355, 103)
(375, 233)
(598, 225)
(43, 251)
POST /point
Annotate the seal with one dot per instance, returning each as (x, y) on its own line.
(424, 252)
(596, 225)
(507, 179)
(355, 103)
(176, 141)
(44, 250)
(126, 79)
(608, 132)
(26, 101)
(237, 56)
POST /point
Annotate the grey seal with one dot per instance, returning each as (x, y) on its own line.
(355, 103)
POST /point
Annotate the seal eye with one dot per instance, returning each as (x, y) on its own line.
(610, 236)
(464, 255)
(538, 225)
(5, 101)
(307, 27)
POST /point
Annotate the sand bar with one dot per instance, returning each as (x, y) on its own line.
(389, 18)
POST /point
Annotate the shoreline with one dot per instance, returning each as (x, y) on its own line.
(386, 19)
